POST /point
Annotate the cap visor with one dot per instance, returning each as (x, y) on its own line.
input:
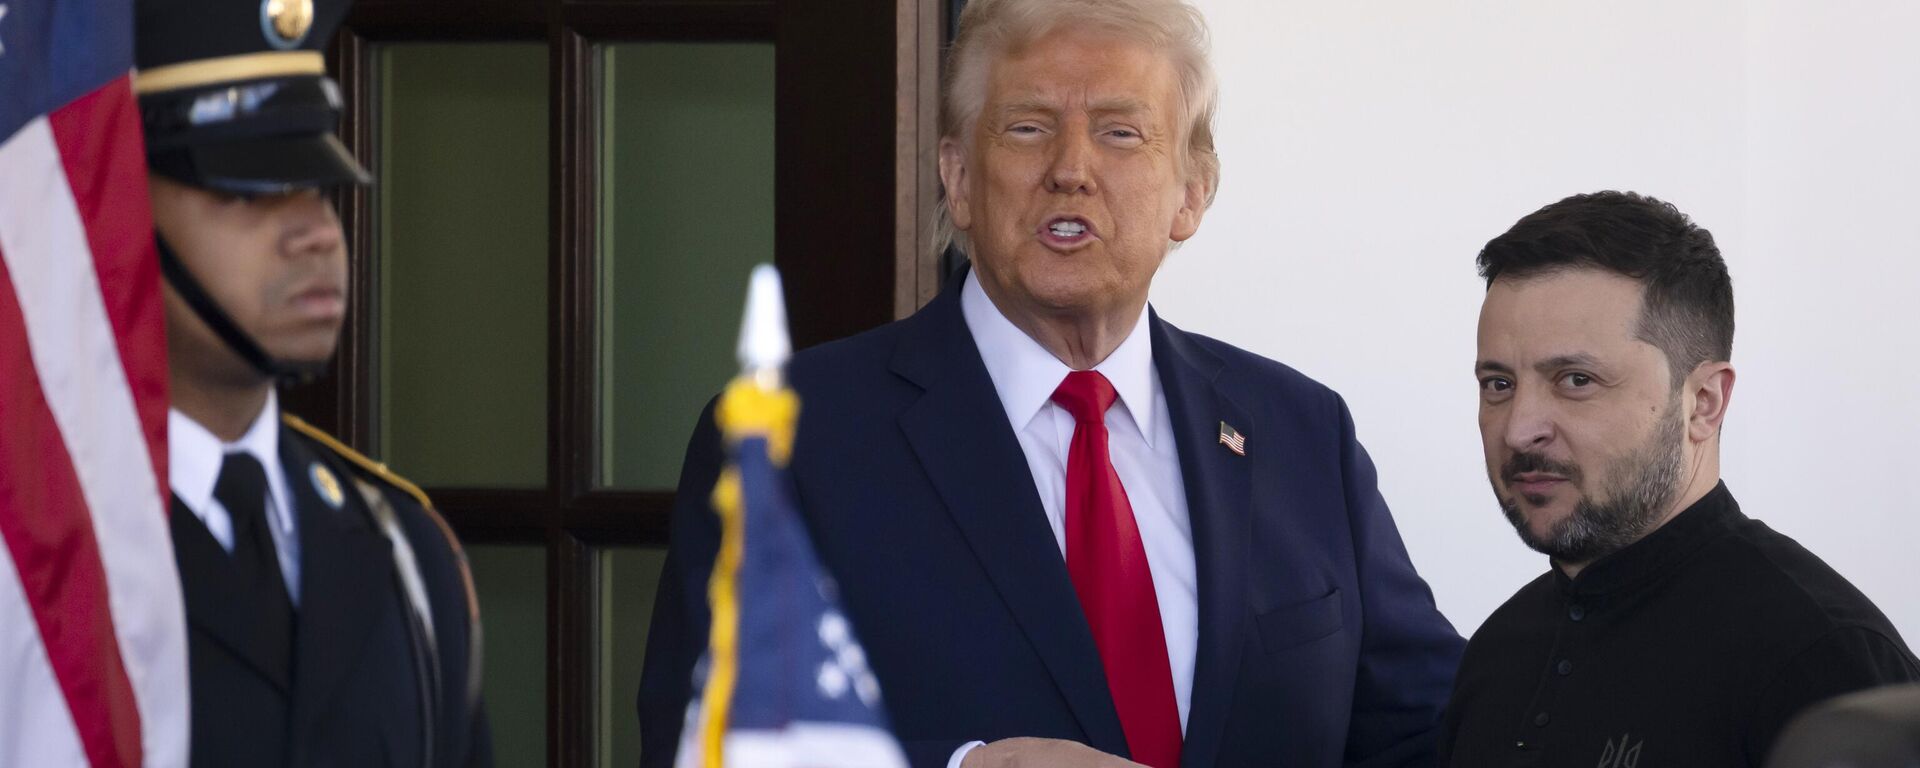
(275, 164)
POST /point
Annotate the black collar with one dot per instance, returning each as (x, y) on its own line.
(1660, 551)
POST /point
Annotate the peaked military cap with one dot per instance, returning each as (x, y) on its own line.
(234, 95)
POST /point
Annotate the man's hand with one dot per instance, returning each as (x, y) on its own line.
(1042, 753)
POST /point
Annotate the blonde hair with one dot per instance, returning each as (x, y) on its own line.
(992, 28)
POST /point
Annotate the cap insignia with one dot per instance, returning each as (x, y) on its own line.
(285, 22)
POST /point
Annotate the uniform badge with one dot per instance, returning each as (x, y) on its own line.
(285, 22)
(327, 485)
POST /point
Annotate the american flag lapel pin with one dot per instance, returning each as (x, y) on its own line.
(1232, 439)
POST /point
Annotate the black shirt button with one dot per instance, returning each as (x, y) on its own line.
(1564, 667)
(1577, 613)
(1541, 719)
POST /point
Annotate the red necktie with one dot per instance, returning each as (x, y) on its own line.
(1108, 565)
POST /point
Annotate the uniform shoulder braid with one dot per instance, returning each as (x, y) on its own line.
(377, 473)
(370, 473)
(372, 469)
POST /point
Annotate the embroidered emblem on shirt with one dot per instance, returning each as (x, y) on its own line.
(327, 485)
(1625, 754)
(1232, 439)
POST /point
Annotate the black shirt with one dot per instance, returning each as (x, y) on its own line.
(1691, 647)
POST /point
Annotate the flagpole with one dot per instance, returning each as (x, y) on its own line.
(755, 403)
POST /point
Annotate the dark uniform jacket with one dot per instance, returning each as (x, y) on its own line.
(368, 686)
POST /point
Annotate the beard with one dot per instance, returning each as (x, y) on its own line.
(1641, 485)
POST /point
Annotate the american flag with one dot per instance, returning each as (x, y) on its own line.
(93, 659)
(785, 682)
(1232, 439)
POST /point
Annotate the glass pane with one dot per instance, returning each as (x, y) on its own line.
(686, 210)
(512, 584)
(629, 577)
(462, 196)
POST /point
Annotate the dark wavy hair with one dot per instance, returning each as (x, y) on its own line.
(1688, 298)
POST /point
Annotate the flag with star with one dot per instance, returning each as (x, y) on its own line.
(93, 637)
(784, 682)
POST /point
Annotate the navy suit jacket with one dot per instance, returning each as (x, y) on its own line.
(1318, 646)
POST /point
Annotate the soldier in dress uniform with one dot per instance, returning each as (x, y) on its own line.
(330, 612)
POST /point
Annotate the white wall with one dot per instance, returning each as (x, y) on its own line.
(1371, 148)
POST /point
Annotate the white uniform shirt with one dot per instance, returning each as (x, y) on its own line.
(194, 456)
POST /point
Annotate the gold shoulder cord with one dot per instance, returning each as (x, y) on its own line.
(360, 460)
(380, 470)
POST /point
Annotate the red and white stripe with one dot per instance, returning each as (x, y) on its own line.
(93, 659)
(1234, 441)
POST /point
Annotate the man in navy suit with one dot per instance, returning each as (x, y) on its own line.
(1068, 532)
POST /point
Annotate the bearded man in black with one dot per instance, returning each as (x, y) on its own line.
(1671, 629)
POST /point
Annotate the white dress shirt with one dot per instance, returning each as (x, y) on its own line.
(194, 456)
(1140, 443)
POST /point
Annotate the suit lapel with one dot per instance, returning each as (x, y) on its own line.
(1220, 506)
(346, 581)
(214, 606)
(959, 431)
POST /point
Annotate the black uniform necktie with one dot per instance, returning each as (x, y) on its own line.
(242, 489)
